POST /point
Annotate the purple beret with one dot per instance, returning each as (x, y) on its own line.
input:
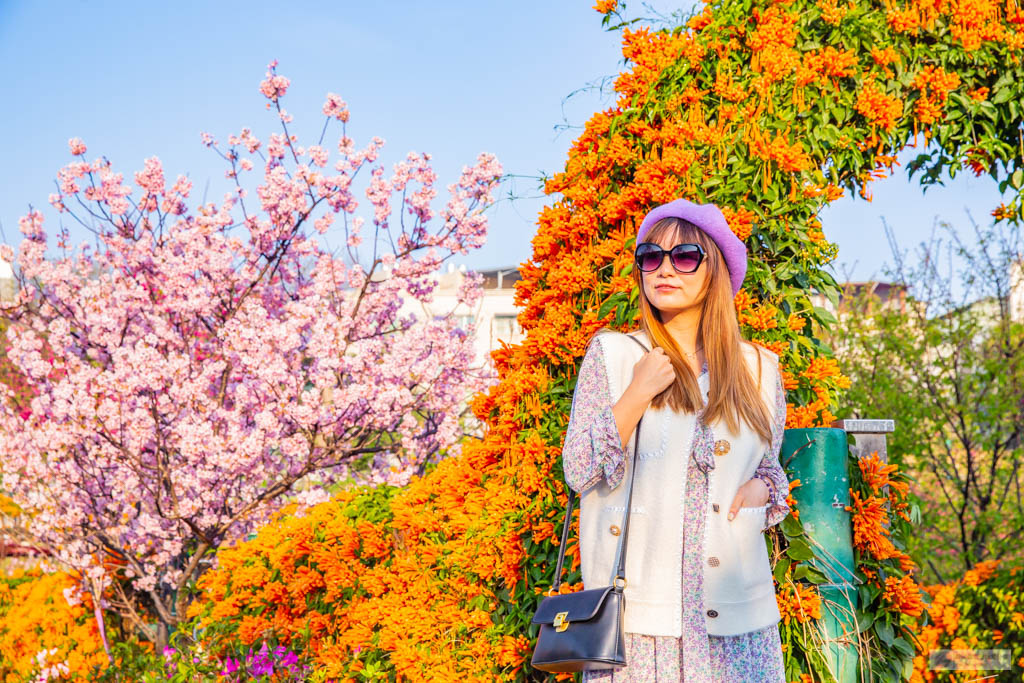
(708, 218)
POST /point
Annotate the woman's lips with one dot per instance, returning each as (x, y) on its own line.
(665, 287)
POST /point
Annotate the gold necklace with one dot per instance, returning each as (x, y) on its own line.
(694, 354)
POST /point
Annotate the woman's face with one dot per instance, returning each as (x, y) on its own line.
(667, 289)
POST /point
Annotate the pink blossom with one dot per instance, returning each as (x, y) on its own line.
(336, 107)
(471, 289)
(76, 146)
(197, 360)
(274, 87)
(318, 155)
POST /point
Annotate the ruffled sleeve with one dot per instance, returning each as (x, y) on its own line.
(770, 470)
(592, 446)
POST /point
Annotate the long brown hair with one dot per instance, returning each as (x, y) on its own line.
(734, 394)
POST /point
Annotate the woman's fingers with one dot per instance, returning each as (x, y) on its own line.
(737, 503)
(754, 493)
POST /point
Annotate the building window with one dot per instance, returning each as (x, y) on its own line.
(505, 327)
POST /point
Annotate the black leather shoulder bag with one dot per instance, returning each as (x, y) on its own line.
(583, 631)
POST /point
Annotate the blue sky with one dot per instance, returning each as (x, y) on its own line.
(453, 79)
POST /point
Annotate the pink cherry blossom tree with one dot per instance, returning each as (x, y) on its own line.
(192, 368)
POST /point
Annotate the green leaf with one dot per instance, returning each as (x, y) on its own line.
(825, 316)
(884, 631)
(790, 527)
(610, 303)
(903, 647)
(864, 621)
(1002, 95)
(781, 567)
(815, 575)
(799, 550)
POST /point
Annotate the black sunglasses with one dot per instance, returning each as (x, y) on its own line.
(685, 258)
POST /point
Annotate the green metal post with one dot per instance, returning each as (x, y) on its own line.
(818, 458)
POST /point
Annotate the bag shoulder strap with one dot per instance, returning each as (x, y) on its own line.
(620, 559)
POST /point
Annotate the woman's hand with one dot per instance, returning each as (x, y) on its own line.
(652, 374)
(752, 494)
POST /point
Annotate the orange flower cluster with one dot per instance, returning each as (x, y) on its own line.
(790, 158)
(904, 20)
(775, 27)
(799, 603)
(957, 615)
(832, 13)
(761, 317)
(878, 108)
(771, 45)
(830, 62)
(791, 501)
(743, 301)
(981, 572)
(822, 368)
(876, 474)
(35, 618)
(904, 594)
(698, 22)
(978, 94)
(727, 89)
(1004, 213)
(935, 83)
(650, 54)
(977, 21)
(885, 57)
(740, 221)
(814, 414)
(339, 584)
(870, 534)
(606, 6)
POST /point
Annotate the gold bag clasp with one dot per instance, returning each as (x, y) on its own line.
(561, 623)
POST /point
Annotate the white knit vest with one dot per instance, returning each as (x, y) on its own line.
(739, 594)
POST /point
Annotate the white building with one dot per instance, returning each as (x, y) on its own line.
(493, 319)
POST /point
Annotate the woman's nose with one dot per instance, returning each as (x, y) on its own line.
(666, 264)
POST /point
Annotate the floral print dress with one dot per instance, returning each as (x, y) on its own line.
(593, 450)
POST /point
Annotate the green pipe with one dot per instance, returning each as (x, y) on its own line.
(818, 458)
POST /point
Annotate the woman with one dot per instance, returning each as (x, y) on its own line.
(700, 598)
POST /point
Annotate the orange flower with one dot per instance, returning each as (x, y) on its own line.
(877, 107)
(762, 317)
(982, 571)
(903, 20)
(798, 602)
(884, 56)
(904, 594)
(822, 368)
(37, 620)
(831, 12)
(740, 221)
(875, 472)
(606, 6)
(743, 300)
(935, 84)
